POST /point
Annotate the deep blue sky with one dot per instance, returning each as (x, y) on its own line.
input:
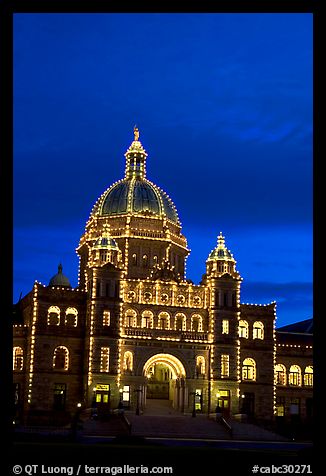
(224, 107)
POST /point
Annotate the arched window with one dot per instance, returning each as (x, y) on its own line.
(258, 330)
(131, 318)
(200, 365)
(61, 358)
(147, 319)
(128, 361)
(145, 261)
(280, 374)
(18, 358)
(308, 377)
(53, 316)
(180, 322)
(196, 323)
(155, 260)
(134, 259)
(243, 329)
(164, 320)
(249, 369)
(295, 376)
(71, 317)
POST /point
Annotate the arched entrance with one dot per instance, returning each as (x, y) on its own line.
(165, 377)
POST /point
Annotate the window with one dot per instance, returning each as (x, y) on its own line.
(198, 399)
(105, 359)
(196, 323)
(280, 407)
(225, 299)
(225, 326)
(16, 395)
(18, 358)
(61, 358)
(53, 316)
(200, 365)
(294, 407)
(225, 365)
(258, 330)
(180, 322)
(106, 318)
(308, 376)
(163, 320)
(280, 374)
(71, 317)
(155, 260)
(145, 261)
(128, 361)
(147, 319)
(249, 369)
(130, 318)
(295, 375)
(59, 396)
(243, 329)
(134, 259)
(234, 299)
(98, 289)
(126, 395)
(103, 255)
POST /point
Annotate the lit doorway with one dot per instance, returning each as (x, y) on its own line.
(101, 399)
(159, 382)
(165, 380)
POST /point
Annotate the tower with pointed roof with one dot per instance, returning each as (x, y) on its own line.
(223, 282)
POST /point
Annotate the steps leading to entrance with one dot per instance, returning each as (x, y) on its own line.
(176, 426)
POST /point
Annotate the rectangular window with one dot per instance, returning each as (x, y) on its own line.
(280, 406)
(98, 289)
(105, 355)
(198, 399)
(295, 406)
(106, 318)
(225, 365)
(225, 326)
(16, 392)
(126, 395)
(59, 396)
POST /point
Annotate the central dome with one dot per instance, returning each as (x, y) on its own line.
(135, 194)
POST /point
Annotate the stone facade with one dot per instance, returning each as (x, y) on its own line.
(134, 328)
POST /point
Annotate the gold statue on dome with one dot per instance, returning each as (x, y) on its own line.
(136, 133)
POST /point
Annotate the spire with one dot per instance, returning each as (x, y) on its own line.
(221, 241)
(136, 158)
(136, 133)
(220, 252)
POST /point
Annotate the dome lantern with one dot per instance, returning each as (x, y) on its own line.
(220, 259)
(106, 250)
(136, 158)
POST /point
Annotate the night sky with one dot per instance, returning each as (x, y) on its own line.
(223, 103)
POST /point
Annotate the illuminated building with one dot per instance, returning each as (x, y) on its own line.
(135, 328)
